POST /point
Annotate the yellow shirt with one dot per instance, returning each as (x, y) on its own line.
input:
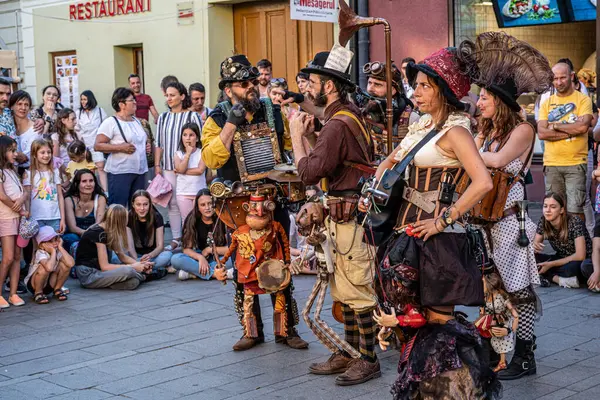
(73, 167)
(566, 110)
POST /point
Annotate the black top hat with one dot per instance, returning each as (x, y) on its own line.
(507, 91)
(317, 66)
(237, 69)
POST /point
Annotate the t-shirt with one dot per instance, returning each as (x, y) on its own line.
(202, 231)
(576, 229)
(143, 243)
(13, 189)
(41, 255)
(87, 252)
(7, 124)
(63, 153)
(73, 167)
(123, 163)
(143, 103)
(24, 141)
(189, 185)
(44, 194)
(566, 110)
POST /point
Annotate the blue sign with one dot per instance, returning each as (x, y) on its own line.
(581, 10)
(514, 13)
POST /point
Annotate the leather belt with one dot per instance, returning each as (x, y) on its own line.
(424, 200)
(514, 210)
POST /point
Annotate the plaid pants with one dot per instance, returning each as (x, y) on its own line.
(360, 332)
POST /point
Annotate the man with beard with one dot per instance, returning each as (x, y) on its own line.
(341, 155)
(265, 69)
(144, 103)
(198, 96)
(563, 124)
(239, 81)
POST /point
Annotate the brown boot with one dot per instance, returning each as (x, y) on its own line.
(336, 364)
(246, 343)
(296, 342)
(359, 371)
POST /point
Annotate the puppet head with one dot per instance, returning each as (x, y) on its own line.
(259, 210)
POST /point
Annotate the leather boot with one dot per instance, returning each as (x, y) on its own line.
(336, 364)
(246, 343)
(293, 340)
(359, 371)
(522, 363)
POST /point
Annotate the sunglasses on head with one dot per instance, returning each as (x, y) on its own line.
(278, 82)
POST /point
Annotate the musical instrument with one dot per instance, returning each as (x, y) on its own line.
(523, 240)
(256, 150)
(349, 24)
(285, 168)
(211, 242)
(273, 276)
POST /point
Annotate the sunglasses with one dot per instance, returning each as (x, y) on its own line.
(278, 82)
(246, 84)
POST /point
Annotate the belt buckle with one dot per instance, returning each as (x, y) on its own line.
(418, 199)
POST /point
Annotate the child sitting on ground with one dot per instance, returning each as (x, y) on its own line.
(50, 268)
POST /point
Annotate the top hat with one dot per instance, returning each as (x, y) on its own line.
(237, 69)
(317, 66)
(442, 66)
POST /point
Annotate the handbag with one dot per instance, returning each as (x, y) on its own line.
(160, 191)
(491, 207)
(484, 325)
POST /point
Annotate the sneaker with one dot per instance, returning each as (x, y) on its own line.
(171, 270)
(64, 289)
(16, 301)
(183, 275)
(544, 282)
(570, 283)
(595, 289)
(21, 288)
(3, 303)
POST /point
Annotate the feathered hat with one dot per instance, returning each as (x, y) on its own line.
(505, 66)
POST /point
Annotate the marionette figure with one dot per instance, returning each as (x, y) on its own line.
(499, 318)
(262, 262)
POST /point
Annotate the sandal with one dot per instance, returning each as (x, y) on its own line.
(500, 367)
(40, 298)
(60, 295)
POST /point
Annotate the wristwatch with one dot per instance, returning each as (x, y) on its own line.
(447, 217)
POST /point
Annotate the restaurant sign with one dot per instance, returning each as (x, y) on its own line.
(106, 8)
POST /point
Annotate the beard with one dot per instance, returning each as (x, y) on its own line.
(252, 105)
(320, 100)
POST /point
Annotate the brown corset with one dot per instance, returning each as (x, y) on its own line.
(425, 179)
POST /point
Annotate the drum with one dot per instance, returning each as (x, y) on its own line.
(273, 276)
(336, 311)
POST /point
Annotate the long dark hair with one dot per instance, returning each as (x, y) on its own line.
(6, 143)
(73, 190)
(148, 224)
(563, 231)
(91, 100)
(194, 127)
(180, 87)
(61, 129)
(190, 237)
(502, 123)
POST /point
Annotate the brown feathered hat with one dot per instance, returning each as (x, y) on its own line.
(505, 66)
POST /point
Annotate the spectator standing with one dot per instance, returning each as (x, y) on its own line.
(93, 260)
(90, 117)
(145, 104)
(408, 90)
(164, 82)
(148, 231)
(48, 111)
(168, 137)
(12, 200)
(265, 70)
(20, 104)
(42, 183)
(85, 205)
(64, 135)
(564, 120)
(190, 168)
(302, 82)
(125, 139)
(590, 269)
(198, 97)
(7, 123)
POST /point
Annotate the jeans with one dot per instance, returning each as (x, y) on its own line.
(122, 186)
(186, 263)
(573, 268)
(69, 240)
(587, 269)
(122, 278)
(53, 223)
(161, 261)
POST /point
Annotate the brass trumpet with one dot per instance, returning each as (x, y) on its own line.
(220, 188)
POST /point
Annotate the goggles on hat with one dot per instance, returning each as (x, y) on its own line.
(374, 68)
(239, 71)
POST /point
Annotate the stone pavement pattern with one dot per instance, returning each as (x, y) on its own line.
(172, 340)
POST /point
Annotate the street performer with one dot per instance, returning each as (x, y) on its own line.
(341, 155)
(243, 107)
(374, 104)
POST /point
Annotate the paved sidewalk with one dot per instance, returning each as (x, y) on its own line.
(172, 340)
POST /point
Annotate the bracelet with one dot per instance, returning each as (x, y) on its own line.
(435, 224)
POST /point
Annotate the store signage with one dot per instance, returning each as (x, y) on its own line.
(107, 8)
(314, 10)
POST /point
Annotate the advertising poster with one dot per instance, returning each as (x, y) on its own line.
(314, 10)
(67, 80)
(513, 13)
(582, 10)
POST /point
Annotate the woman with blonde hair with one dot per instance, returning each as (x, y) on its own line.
(93, 259)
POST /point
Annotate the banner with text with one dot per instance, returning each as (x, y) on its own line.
(314, 10)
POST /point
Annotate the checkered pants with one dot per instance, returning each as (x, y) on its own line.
(360, 332)
(527, 314)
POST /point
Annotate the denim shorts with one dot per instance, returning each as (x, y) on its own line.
(54, 223)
